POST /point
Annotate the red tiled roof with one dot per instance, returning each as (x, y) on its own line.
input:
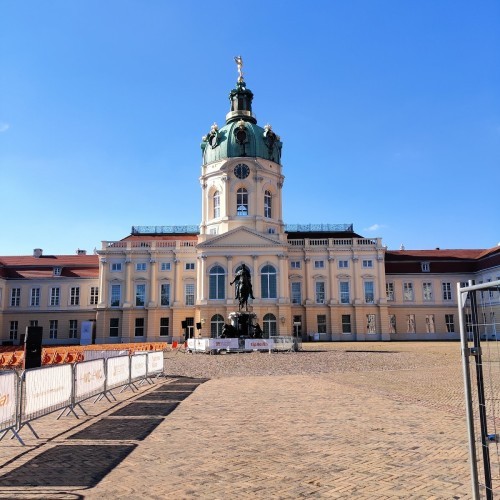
(435, 254)
(50, 260)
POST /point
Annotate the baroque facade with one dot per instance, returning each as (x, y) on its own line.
(315, 282)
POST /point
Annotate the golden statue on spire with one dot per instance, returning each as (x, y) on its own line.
(239, 62)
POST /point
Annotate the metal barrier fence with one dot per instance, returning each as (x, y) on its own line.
(37, 392)
(278, 343)
(479, 314)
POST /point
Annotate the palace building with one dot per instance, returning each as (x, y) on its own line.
(322, 282)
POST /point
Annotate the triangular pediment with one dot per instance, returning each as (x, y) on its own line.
(242, 237)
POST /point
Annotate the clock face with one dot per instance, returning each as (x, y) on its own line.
(241, 171)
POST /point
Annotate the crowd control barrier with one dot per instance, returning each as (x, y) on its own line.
(273, 344)
(40, 391)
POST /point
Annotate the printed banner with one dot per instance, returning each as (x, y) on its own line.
(89, 378)
(48, 387)
(138, 366)
(7, 399)
(118, 370)
(259, 344)
(223, 343)
(155, 362)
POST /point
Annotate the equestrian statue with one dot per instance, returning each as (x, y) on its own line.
(243, 288)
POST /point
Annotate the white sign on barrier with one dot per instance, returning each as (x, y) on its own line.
(155, 362)
(259, 344)
(118, 370)
(223, 343)
(47, 387)
(89, 377)
(7, 398)
(138, 366)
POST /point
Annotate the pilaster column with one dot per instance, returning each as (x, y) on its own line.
(176, 281)
(307, 276)
(201, 277)
(229, 268)
(355, 274)
(153, 288)
(283, 281)
(103, 283)
(331, 279)
(127, 293)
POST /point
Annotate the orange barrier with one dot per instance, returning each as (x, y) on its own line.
(13, 356)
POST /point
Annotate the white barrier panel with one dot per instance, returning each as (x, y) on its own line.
(155, 362)
(223, 343)
(89, 378)
(118, 371)
(138, 366)
(259, 344)
(91, 354)
(8, 390)
(46, 388)
(198, 344)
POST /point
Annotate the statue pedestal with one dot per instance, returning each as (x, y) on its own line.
(243, 323)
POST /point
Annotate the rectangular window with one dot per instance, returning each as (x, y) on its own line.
(450, 325)
(165, 266)
(189, 266)
(15, 297)
(346, 323)
(407, 292)
(114, 325)
(429, 323)
(425, 266)
(140, 295)
(295, 264)
(320, 292)
(33, 322)
(343, 264)
(116, 295)
(321, 319)
(446, 291)
(165, 294)
(73, 328)
(13, 330)
(368, 263)
(55, 296)
(94, 295)
(140, 266)
(392, 324)
(371, 323)
(344, 292)
(57, 271)
(296, 293)
(189, 294)
(369, 292)
(139, 327)
(427, 291)
(35, 297)
(74, 296)
(389, 291)
(53, 328)
(410, 323)
(164, 327)
(116, 266)
(319, 264)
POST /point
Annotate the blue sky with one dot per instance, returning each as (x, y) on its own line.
(389, 113)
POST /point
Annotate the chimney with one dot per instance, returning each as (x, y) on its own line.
(37, 252)
(81, 252)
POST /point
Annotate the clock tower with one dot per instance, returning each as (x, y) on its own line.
(241, 174)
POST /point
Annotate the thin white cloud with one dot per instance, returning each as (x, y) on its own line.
(4, 127)
(375, 227)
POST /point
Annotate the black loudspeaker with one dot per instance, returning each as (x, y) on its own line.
(33, 347)
(198, 326)
(184, 325)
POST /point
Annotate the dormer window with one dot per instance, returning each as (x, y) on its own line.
(57, 271)
(425, 266)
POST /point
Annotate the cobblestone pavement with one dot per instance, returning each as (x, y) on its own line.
(338, 420)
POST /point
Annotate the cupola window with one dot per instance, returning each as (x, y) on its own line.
(216, 205)
(267, 204)
(242, 201)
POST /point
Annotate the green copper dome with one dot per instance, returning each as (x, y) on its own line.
(241, 136)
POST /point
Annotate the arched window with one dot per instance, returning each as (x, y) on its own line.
(217, 283)
(216, 199)
(267, 204)
(242, 202)
(268, 282)
(216, 324)
(270, 325)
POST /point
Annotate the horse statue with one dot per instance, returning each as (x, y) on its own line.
(243, 287)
